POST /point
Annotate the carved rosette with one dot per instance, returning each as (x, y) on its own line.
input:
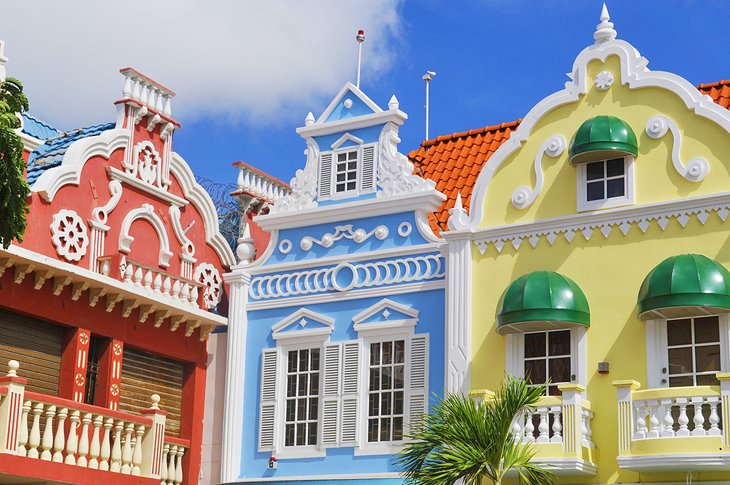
(210, 278)
(395, 173)
(147, 164)
(69, 235)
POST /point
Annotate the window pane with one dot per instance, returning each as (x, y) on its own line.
(314, 385)
(615, 167)
(398, 402)
(535, 345)
(387, 352)
(594, 170)
(351, 185)
(292, 367)
(315, 359)
(303, 381)
(615, 188)
(397, 429)
(340, 177)
(301, 430)
(342, 157)
(312, 434)
(352, 166)
(559, 342)
(303, 360)
(385, 379)
(374, 379)
(373, 404)
(595, 191)
(289, 435)
(372, 430)
(707, 380)
(679, 332)
(374, 354)
(707, 358)
(400, 351)
(385, 403)
(313, 409)
(291, 386)
(680, 360)
(301, 409)
(707, 329)
(680, 381)
(398, 372)
(385, 429)
(560, 370)
(291, 410)
(535, 371)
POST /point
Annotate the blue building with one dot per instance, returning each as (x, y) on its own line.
(336, 334)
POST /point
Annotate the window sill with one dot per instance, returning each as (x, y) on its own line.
(379, 449)
(292, 454)
(604, 204)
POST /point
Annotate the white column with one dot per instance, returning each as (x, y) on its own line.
(458, 313)
(233, 418)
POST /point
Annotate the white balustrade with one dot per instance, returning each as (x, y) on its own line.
(260, 185)
(544, 424)
(158, 283)
(146, 91)
(172, 466)
(671, 417)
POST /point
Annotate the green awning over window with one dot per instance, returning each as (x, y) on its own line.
(685, 285)
(601, 138)
(541, 300)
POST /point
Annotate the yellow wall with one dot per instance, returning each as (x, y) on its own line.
(609, 270)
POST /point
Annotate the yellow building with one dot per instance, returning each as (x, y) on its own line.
(594, 255)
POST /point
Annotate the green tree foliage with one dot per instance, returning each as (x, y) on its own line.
(470, 440)
(14, 188)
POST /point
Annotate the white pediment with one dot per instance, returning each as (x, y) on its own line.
(303, 324)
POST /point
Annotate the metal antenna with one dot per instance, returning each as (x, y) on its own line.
(427, 77)
(360, 37)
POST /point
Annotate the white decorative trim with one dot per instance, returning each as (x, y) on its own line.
(458, 316)
(300, 318)
(285, 246)
(363, 275)
(395, 171)
(347, 137)
(382, 307)
(146, 212)
(69, 235)
(603, 80)
(358, 236)
(567, 466)
(604, 222)
(210, 278)
(333, 476)
(696, 169)
(147, 165)
(404, 229)
(634, 74)
(676, 462)
(303, 185)
(69, 172)
(172, 199)
(100, 214)
(349, 124)
(336, 100)
(523, 197)
(188, 247)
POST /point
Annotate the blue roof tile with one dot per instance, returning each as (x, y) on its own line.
(50, 154)
(38, 129)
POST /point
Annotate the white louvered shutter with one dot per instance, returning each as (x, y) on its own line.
(418, 380)
(331, 395)
(350, 392)
(368, 169)
(267, 416)
(325, 175)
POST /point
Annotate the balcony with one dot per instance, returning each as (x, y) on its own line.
(673, 429)
(45, 439)
(559, 429)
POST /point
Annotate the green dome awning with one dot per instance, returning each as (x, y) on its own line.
(601, 138)
(541, 300)
(681, 284)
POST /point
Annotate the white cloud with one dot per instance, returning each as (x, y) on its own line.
(243, 59)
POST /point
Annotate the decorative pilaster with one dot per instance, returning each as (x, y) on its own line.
(724, 378)
(152, 442)
(458, 314)
(73, 365)
(109, 380)
(233, 417)
(625, 414)
(572, 409)
(11, 409)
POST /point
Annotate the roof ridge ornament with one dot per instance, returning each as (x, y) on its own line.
(604, 30)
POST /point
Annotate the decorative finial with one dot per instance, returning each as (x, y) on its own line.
(393, 103)
(458, 205)
(155, 398)
(360, 37)
(3, 60)
(457, 215)
(604, 30)
(13, 366)
(309, 120)
(245, 250)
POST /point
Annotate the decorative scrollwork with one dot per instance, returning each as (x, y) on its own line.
(303, 185)
(69, 235)
(696, 169)
(395, 172)
(523, 197)
(343, 232)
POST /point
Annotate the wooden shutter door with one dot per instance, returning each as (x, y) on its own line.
(144, 374)
(325, 175)
(418, 380)
(350, 392)
(37, 346)
(331, 395)
(368, 168)
(267, 416)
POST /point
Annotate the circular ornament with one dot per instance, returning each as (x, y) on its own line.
(405, 229)
(285, 246)
(69, 235)
(604, 80)
(208, 275)
(344, 277)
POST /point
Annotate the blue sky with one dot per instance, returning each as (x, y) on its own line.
(261, 69)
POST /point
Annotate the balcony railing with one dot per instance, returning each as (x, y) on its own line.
(51, 429)
(560, 430)
(677, 428)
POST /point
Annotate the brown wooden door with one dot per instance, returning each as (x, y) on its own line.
(144, 374)
(37, 345)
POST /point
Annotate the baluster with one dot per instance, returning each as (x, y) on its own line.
(194, 296)
(47, 442)
(106, 445)
(699, 419)
(84, 441)
(157, 283)
(138, 275)
(714, 417)
(516, 428)
(654, 431)
(542, 427)
(640, 432)
(148, 279)
(166, 286)
(116, 458)
(529, 428)
(683, 420)
(23, 431)
(176, 289)
(668, 421)
(60, 439)
(94, 449)
(163, 467)
(137, 454)
(72, 443)
(556, 412)
(35, 432)
(127, 450)
(171, 465)
(179, 467)
(185, 292)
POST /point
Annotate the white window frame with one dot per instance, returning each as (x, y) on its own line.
(338, 148)
(657, 356)
(582, 192)
(515, 353)
(346, 194)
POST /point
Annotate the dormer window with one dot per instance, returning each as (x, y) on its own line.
(348, 170)
(603, 151)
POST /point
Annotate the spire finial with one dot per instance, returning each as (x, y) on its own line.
(604, 30)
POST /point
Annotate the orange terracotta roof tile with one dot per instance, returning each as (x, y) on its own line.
(455, 161)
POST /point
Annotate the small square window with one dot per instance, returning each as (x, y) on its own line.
(346, 172)
(605, 183)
